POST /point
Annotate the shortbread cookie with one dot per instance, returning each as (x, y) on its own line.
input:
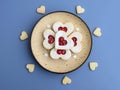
(80, 10)
(76, 38)
(67, 27)
(41, 9)
(97, 32)
(93, 65)
(66, 80)
(30, 67)
(49, 40)
(23, 35)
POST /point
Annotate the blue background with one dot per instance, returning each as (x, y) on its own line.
(19, 15)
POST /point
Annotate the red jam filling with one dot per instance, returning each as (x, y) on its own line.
(62, 41)
(63, 29)
(74, 40)
(51, 39)
(60, 51)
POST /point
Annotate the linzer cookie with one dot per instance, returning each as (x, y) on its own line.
(66, 48)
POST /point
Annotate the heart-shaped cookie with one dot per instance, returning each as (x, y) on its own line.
(49, 40)
(67, 27)
(62, 42)
(23, 35)
(60, 53)
(76, 37)
(80, 10)
(66, 80)
(93, 65)
(41, 9)
(30, 67)
(97, 32)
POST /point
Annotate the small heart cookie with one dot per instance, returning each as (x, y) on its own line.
(76, 37)
(60, 53)
(23, 35)
(41, 9)
(66, 80)
(67, 27)
(49, 39)
(93, 65)
(80, 10)
(62, 41)
(97, 32)
(30, 67)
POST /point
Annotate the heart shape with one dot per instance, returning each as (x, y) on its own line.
(23, 35)
(76, 37)
(60, 53)
(93, 65)
(49, 39)
(67, 27)
(30, 67)
(80, 10)
(41, 9)
(97, 32)
(62, 42)
(66, 80)
(62, 29)
(74, 40)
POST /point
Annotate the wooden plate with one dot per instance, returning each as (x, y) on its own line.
(60, 66)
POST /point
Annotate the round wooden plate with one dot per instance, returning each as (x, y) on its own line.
(60, 66)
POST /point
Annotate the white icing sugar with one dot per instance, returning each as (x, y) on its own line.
(77, 29)
(48, 26)
(74, 56)
(45, 54)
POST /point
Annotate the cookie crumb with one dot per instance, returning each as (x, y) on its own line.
(30, 67)
(66, 80)
(23, 35)
(41, 9)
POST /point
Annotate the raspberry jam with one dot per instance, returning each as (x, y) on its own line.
(63, 29)
(62, 41)
(51, 39)
(60, 51)
(74, 40)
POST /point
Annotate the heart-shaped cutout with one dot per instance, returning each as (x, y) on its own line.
(62, 29)
(23, 35)
(97, 32)
(93, 65)
(80, 10)
(49, 39)
(41, 9)
(30, 67)
(62, 42)
(67, 27)
(66, 80)
(61, 52)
